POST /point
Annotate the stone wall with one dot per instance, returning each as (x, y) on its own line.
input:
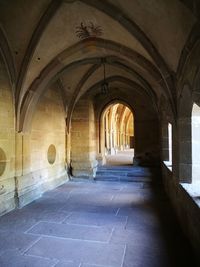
(7, 143)
(33, 162)
(185, 206)
(42, 150)
(146, 125)
(147, 138)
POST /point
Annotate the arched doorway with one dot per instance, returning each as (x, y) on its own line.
(117, 134)
(195, 143)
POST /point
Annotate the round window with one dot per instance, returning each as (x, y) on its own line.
(51, 154)
(2, 161)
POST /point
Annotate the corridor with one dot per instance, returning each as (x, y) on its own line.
(89, 83)
(91, 223)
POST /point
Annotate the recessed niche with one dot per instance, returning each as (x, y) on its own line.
(2, 161)
(51, 154)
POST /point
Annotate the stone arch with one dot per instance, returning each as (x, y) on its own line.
(195, 144)
(188, 71)
(188, 94)
(56, 67)
(195, 127)
(144, 119)
(6, 53)
(189, 46)
(134, 29)
(132, 84)
(114, 101)
(167, 123)
(100, 119)
(196, 87)
(111, 11)
(39, 30)
(146, 89)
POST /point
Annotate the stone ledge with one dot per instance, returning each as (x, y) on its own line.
(184, 199)
(168, 164)
(193, 190)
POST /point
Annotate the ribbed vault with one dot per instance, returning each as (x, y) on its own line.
(49, 51)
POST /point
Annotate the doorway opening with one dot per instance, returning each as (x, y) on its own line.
(118, 135)
(195, 143)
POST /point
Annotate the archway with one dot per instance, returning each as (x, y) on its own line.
(117, 134)
(195, 142)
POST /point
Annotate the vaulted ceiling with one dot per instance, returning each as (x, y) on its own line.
(142, 42)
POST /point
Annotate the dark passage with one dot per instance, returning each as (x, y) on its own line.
(107, 223)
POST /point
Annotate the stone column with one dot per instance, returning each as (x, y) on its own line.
(24, 179)
(185, 159)
(83, 140)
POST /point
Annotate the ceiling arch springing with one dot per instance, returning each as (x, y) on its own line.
(46, 47)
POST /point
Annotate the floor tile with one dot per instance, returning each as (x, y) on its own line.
(81, 251)
(67, 264)
(16, 221)
(95, 224)
(138, 256)
(94, 199)
(15, 240)
(92, 265)
(142, 220)
(138, 237)
(126, 199)
(101, 234)
(79, 207)
(15, 259)
(98, 219)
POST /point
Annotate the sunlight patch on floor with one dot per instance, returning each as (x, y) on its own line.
(121, 158)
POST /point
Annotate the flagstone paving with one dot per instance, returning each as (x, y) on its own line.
(96, 223)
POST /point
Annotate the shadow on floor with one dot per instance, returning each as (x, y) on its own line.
(97, 224)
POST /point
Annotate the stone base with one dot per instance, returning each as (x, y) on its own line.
(101, 160)
(33, 185)
(7, 203)
(85, 169)
(7, 194)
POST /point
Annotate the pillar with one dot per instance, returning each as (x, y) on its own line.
(83, 140)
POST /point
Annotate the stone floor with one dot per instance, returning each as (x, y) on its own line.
(95, 224)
